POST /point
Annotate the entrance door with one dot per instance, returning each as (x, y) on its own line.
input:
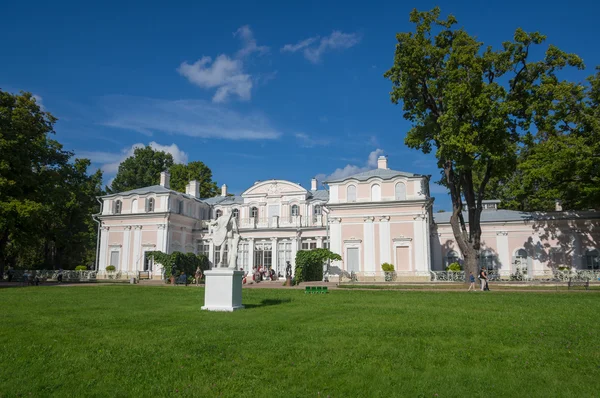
(352, 259)
(402, 258)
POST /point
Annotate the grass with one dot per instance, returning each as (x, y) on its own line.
(463, 286)
(136, 340)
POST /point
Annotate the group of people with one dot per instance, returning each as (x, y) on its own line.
(483, 280)
(260, 274)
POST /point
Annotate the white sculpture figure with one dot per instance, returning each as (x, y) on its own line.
(225, 231)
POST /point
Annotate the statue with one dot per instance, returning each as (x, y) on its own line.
(225, 231)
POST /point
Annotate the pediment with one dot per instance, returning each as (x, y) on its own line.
(274, 188)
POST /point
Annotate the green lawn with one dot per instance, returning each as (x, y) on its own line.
(154, 341)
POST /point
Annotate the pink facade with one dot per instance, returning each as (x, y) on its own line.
(385, 217)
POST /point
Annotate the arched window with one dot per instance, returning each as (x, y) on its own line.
(316, 212)
(351, 193)
(521, 254)
(592, 259)
(218, 213)
(134, 206)
(375, 193)
(150, 205)
(254, 212)
(488, 260)
(452, 257)
(400, 191)
(118, 206)
(295, 210)
(236, 214)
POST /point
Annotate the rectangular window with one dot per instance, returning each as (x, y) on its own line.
(326, 244)
(203, 248)
(218, 254)
(114, 259)
(309, 245)
(352, 258)
(242, 260)
(284, 254)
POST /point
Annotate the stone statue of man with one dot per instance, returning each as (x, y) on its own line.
(225, 231)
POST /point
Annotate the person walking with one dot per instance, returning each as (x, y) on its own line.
(483, 279)
(472, 280)
(198, 275)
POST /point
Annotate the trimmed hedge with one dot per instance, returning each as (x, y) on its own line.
(309, 264)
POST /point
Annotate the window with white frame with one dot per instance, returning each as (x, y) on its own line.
(351, 193)
(309, 244)
(284, 254)
(263, 255)
(236, 214)
(150, 205)
(218, 213)
(326, 244)
(134, 206)
(254, 212)
(114, 259)
(592, 259)
(488, 260)
(317, 211)
(180, 207)
(204, 248)
(295, 210)
(375, 193)
(400, 191)
(242, 260)
(118, 205)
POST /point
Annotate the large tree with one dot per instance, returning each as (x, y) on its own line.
(46, 200)
(471, 105)
(182, 174)
(562, 161)
(141, 170)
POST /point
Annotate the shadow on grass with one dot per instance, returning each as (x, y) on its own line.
(268, 302)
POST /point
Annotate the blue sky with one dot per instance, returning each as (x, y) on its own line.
(256, 90)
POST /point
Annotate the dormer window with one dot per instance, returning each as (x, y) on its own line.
(180, 207)
(117, 207)
(150, 205)
(295, 210)
(400, 191)
(254, 212)
(351, 193)
(316, 212)
(218, 213)
(236, 214)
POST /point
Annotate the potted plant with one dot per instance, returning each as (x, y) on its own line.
(389, 273)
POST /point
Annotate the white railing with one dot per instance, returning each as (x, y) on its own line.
(72, 276)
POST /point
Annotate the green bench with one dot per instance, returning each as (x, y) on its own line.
(315, 289)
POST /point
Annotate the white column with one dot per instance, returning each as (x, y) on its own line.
(420, 245)
(385, 251)
(427, 246)
(319, 242)
(274, 253)
(126, 252)
(503, 252)
(137, 245)
(537, 250)
(103, 248)
(335, 240)
(369, 244)
(161, 241)
(211, 252)
(250, 255)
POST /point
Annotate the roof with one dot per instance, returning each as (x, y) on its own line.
(384, 174)
(141, 191)
(487, 216)
(223, 200)
(320, 195)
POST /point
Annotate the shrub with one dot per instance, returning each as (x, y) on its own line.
(81, 268)
(111, 268)
(309, 264)
(454, 267)
(177, 262)
(387, 267)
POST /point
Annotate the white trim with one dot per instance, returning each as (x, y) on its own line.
(352, 244)
(403, 243)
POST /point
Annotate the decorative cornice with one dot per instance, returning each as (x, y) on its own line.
(420, 217)
(384, 218)
(353, 240)
(127, 227)
(501, 233)
(369, 219)
(137, 226)
(402, 238)
(161, 226)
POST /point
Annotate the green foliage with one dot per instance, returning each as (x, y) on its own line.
(309, 264)
(387, 267)
(111, 268)
(471, 105)
(454, 267)
(81, 268)
(182, 174)
(177, 262)
(46, 196)
(141, 170)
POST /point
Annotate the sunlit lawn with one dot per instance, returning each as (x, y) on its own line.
(155, 341)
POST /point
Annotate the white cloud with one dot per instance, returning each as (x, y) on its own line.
(351, 169)
(335, 41)
(250, 46)
(194, 118)
(308, 142)
(39, 101)
(225, 73)
(109, 161)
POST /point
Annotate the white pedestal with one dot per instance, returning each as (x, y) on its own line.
(223, 290)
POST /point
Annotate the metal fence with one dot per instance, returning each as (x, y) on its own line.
(70, 275)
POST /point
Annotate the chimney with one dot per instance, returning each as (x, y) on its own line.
(313, 184)
(164, 179)
(224, 190)
(382, 162)
(194, 189)
(558, 205)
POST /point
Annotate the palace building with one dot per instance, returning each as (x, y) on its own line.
(370, 218)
